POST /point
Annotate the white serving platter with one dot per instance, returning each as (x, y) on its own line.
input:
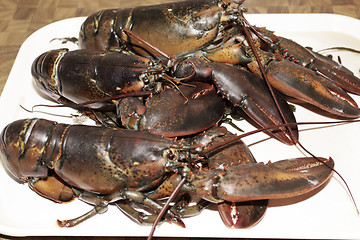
(328, 214)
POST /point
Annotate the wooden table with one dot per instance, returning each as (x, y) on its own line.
(20, 18)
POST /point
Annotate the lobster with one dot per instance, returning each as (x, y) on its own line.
(218, 31)
(103, 166)
(88, 75)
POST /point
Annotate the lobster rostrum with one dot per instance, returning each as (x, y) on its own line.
(126, 165)
(85, 75)
(216, 30)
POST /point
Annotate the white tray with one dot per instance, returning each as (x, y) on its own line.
(328, 214)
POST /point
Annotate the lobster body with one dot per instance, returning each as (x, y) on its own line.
(104, 165)
(96, 74)
(113, 159)
(90, 75)
(83, 75)
(218, 31)
(188, 25)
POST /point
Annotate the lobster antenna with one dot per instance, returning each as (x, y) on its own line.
(337, 173)
(148, 46)
(247, 26)
(99, 100)
(339, 49)
(166, 206)
(52, 114)
(214, 147)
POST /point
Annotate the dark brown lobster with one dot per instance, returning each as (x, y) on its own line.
(221, 38)
(103, 166)
(86, 75)
(218, 31)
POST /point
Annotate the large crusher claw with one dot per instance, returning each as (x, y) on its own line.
(282, 179)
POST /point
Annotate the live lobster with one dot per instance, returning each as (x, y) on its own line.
(218, 31)
(83, 75)
(184, 68)
(139, 166)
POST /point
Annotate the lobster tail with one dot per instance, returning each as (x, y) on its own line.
(21, 156)
(44, 72)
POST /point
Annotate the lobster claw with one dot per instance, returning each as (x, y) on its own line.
(309, 76)
(242, 214)
(304, 84)
(282, 179)
(325, 66)
(168, 115)
(244, 90)
(250, 93)
(236, 214)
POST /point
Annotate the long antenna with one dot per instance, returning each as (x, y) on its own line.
(246, 27)
(214, 147)
(99, 100)
(166, 206)
(148, 46)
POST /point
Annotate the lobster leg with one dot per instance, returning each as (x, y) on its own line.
(184, 209)
(143, 218)
(101, 205)
(135, 215)
(181, 209)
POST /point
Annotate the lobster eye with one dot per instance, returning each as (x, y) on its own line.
(224, 4)
(170, 156)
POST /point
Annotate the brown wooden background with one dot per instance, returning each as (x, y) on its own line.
(20, 18)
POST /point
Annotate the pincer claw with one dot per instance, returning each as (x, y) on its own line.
(324, 66)
(282, 179)
(305, 85)
(337, 73)
(247, 91)
(242, 214)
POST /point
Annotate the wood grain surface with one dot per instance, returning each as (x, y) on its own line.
(20, 18)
